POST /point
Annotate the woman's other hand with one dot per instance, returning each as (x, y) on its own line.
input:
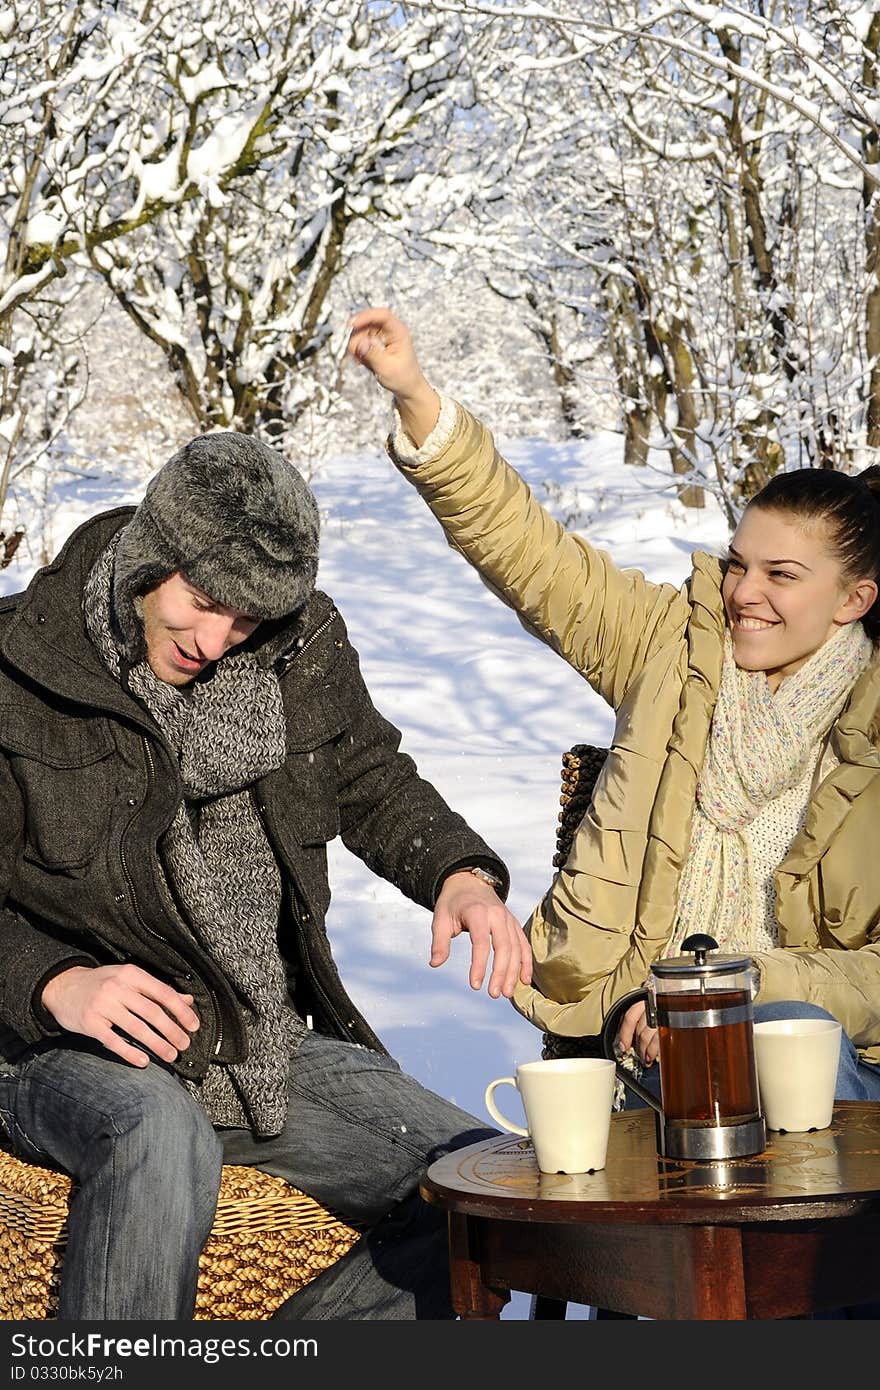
(635, 1034)
(382, 344)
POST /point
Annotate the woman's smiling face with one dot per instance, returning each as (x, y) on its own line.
(785, 592)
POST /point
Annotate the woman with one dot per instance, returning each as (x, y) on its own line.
(742, 787)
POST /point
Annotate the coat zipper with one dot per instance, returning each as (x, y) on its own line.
(318, 632)
(316, 984)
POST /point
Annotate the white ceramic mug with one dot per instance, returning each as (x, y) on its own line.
(797, 1070)
(567, 1103)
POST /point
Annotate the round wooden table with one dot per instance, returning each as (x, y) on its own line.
(790, 1231)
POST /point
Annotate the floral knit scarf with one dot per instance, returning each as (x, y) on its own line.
(760, 744)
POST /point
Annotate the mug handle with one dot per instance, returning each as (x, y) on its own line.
(495, 1112)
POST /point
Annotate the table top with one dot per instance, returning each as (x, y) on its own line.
(831, 1172)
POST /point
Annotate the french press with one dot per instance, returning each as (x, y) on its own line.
(702, 1006)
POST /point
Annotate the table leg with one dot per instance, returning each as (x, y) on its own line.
(714, 1275)
(471, 1298)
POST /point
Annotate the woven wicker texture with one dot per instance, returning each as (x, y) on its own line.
(267, 1241)
(581, 765)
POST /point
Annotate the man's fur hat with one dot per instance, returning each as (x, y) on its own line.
(235, 517)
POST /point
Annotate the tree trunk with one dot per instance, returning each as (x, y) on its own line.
(546, 326)
(684, 458)
(636, 432)
(870, 201)
(669, 348)
(751, 192)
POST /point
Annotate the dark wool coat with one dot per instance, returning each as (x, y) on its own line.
(88, 785)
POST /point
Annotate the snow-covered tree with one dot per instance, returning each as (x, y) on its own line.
(65, 71)
(697, 186)
(219, 170)
(345, 109)
(103, 128)
(677, 200)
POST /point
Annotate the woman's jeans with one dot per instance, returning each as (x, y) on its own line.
(146, 1163)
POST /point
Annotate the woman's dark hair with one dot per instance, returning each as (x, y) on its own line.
(849, 507)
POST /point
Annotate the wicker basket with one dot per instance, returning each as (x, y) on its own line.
(581, 765)
(267, 1241)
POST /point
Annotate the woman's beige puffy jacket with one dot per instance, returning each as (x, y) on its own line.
(654, 653)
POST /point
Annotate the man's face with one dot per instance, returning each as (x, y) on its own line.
(185, 630)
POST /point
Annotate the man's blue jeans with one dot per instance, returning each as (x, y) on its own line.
(146, 1163)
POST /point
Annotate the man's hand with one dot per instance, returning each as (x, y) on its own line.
(634, 1032)
(383, 344)
(93, 1000)
(464, 903)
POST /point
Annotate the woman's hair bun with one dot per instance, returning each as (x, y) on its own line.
(870, 476)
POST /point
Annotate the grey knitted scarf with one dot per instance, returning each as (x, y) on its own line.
(227, 732)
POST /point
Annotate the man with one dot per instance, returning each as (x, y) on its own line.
(183, 728)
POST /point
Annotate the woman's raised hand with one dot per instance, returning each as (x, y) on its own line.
(382, 344)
